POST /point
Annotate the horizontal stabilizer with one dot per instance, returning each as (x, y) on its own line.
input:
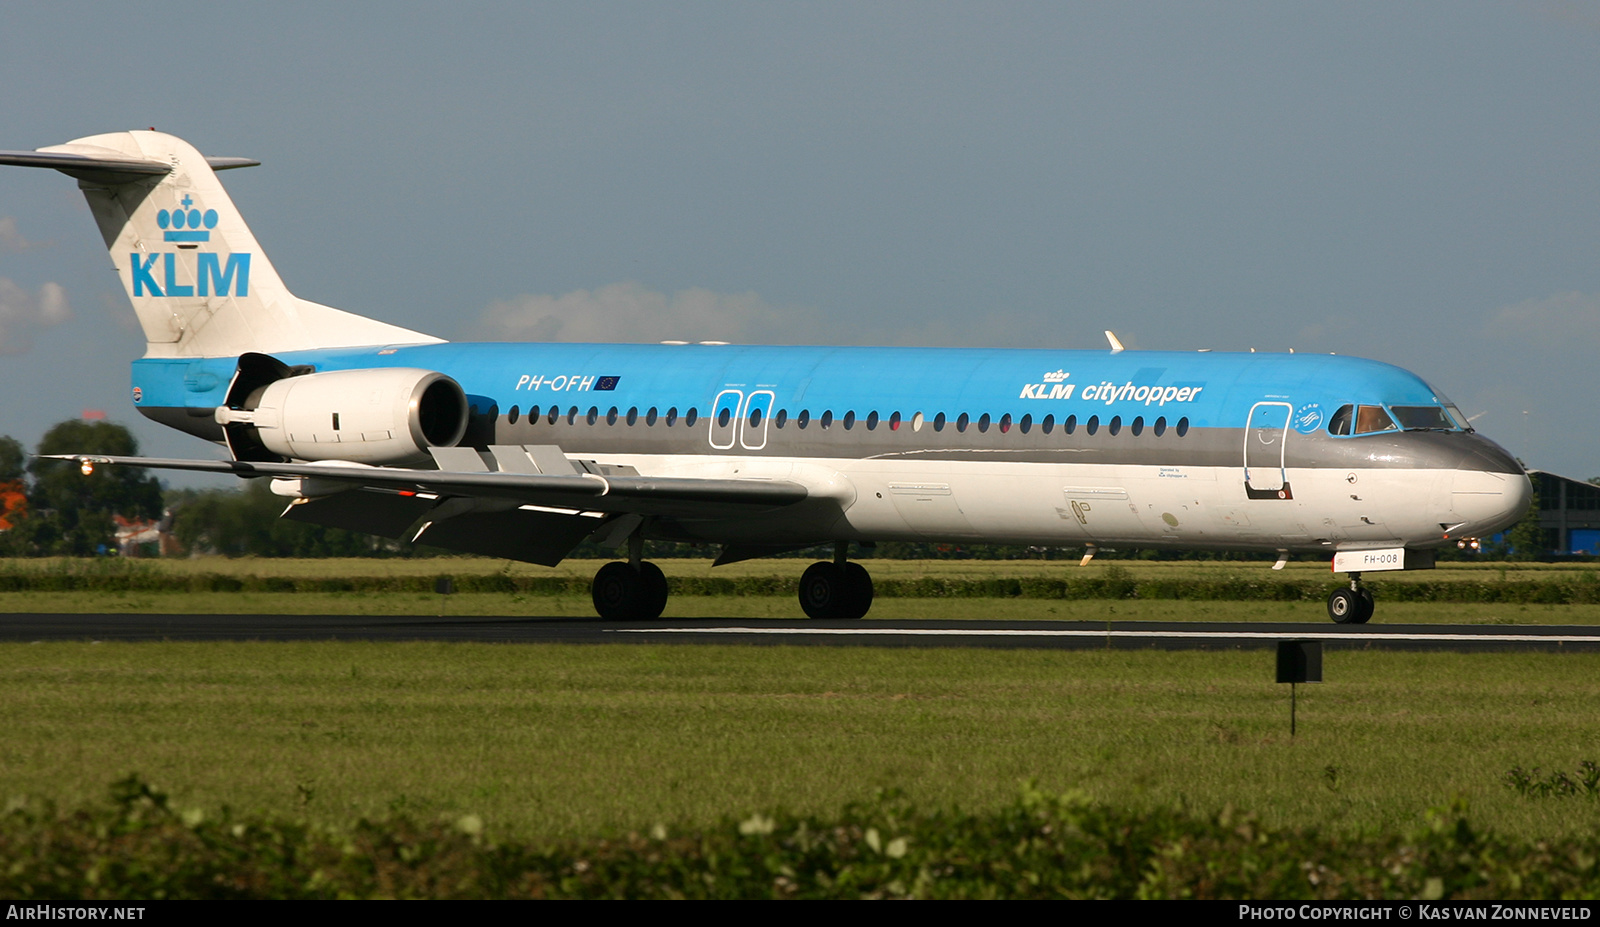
(109, 167)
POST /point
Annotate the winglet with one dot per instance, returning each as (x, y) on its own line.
(1116, 346)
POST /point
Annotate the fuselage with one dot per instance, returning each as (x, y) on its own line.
(1157, 449)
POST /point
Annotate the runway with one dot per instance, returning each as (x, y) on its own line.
(1130, 635)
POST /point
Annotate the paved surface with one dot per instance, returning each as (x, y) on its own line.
(1131, 635)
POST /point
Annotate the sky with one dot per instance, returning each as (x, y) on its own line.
(1417, 183)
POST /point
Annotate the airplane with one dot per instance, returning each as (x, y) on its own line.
(524, 451)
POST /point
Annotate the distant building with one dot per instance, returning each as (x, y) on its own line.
(137, 538)
(1569, 513)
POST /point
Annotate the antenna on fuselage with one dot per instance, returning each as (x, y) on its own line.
(1116, 346)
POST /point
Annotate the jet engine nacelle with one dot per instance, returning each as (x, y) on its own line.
(381, 416)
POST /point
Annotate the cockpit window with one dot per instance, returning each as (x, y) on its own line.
(1340, 423)
(1423, 418)
(1458, 418)
(1372, 418)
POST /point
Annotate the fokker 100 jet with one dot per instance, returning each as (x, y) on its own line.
(523, 451)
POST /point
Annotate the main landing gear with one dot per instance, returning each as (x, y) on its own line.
(837, 590)
(1353, 605)
(632, 591)
(636, 590)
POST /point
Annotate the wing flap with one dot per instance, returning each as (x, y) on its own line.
(646, 495)
(385, 514)
(534, 537)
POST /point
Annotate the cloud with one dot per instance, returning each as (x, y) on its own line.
(10, 238)
(630, 312)
(22, 312)
(1568, 321)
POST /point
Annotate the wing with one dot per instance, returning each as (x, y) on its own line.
(521, 502)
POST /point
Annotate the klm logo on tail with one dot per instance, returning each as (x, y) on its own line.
(212, 275)
(187, 224)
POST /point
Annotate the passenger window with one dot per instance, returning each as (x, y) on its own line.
(650, 417)
(894, 421)
(872, 420)
(1339, 424)
(961, 423)
(555, 413)
(1115, 425)
(611, 416)
(633, 415)
(691, 416)
(1093, 425)
(672, 416)
(938, 422)
(849, 419)
(827, 419)
(1048, 425)
(1005, 423)
(983, 422)
(1025, 423)
(1160, 427)
(1372, 418)
(803, 419)
(511, 417)
(1183, 426)
(593, 416)
(1070, 425)
(781, 418)
(755, 418)
(1138, 426)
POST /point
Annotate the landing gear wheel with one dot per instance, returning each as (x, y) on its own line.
(655, 588)
(835, 592)
(1350, 606)
(859, 583)
(623, 593)
(1368, 606)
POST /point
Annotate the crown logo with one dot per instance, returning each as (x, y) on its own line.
(188, 223)
(1056, 377)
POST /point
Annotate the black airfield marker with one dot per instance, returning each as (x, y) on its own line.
(1298, 661)
(445, 586)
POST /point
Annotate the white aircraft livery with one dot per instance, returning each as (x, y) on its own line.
(523, 451)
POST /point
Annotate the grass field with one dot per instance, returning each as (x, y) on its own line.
(881, 569)
(550, 741)
(781, 607)
(774, 606)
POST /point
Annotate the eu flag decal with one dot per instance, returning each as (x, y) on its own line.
(606, 383)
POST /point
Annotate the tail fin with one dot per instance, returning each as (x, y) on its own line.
(197, 279)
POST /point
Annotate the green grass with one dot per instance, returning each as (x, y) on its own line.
(881, 569)
(573, 741)
(1215, 591)
(780, 608)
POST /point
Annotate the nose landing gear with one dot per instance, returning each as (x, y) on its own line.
(1351, 606)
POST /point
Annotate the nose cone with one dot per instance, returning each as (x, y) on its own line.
(1491, 491)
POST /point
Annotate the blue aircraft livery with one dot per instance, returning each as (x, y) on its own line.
(524, 451)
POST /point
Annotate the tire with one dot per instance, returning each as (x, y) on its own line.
(653, 589)
(1344, 607)
(834, 592)
(858, 592)
(821, 591)
(1367, 606)
(617, 592)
